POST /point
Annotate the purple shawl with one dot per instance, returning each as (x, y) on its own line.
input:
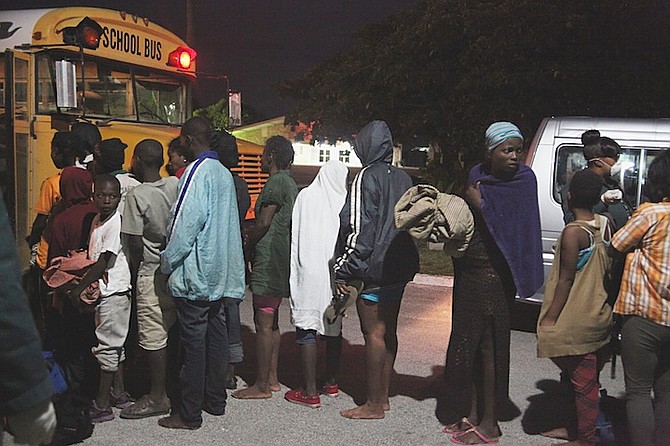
(512, 215)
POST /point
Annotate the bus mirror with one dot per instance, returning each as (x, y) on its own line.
(66, 84)
(86, 34)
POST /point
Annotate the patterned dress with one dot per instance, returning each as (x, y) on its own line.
(483, 294)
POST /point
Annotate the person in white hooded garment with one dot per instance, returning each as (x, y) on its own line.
(314, 229)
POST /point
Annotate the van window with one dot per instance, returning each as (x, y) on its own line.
(634, 163)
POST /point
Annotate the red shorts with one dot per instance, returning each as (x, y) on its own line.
(266, 304)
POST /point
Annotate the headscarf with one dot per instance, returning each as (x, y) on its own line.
(499, 132)
(111, 154)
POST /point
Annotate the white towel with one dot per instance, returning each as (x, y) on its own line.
(314, 228)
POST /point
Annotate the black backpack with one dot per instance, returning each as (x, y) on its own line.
(73, 419)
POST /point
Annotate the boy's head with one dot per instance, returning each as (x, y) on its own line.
(278, 152)
(106, 194)
(657, 186)
(110, 155)
(585, 190)
(147, 157)
(88, 137)
(63, 149)
(225, 146)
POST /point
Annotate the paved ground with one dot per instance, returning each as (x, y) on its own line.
(416, 395)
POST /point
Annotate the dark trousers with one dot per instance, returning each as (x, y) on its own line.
(232, 310)
(204, 341)
(645, 351)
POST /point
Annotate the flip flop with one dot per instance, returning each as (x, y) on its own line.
(340, 303)
(485, 440)
(455, 429)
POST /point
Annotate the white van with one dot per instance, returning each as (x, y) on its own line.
(556, 153)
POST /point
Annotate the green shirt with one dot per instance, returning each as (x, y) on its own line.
(272, 254)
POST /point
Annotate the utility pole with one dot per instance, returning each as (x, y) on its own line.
(189, 23)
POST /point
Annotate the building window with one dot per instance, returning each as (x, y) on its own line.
(324, 155)
(344, 156)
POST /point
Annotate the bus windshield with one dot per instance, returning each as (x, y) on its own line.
(114, 91)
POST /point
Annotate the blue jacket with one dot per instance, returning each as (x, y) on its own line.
(203, 255)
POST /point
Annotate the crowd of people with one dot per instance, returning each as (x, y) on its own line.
(113, 249)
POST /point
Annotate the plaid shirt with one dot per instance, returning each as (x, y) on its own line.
(645, 287)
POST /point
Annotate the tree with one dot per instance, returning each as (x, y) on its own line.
(217, 114)
(445, 69)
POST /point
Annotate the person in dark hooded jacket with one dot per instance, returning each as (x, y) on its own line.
(371, 249)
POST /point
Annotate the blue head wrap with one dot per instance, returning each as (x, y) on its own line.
(500, 131)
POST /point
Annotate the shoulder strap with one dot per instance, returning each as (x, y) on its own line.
(182, 193)
(588, 228)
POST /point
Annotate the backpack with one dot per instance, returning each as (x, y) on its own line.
(73, 419)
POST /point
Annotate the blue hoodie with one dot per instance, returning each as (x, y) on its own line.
(204, 249)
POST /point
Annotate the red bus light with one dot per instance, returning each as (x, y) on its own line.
(86, 34)
(182, 57)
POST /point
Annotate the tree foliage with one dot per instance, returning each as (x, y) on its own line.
(217, 114)
(445, 69)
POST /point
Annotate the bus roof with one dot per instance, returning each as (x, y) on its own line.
(126, 37)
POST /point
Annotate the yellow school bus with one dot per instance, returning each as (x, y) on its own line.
(124, 73)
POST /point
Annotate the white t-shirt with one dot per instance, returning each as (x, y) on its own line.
(127, 183)
(106, 236)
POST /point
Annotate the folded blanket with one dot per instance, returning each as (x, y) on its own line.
(428, 214)
(66, 272)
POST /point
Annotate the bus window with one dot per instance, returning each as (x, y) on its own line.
(110, 90)
(108, 93)
(4, 137)
(46, 97)
(159, 100)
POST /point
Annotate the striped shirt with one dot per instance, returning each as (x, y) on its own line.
(645, 287)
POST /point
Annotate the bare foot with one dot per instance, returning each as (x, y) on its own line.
(364, 412)
(475, 435)
(459, 427)
(560, 433)
(386, 406)
(275, 387)
(252, 393)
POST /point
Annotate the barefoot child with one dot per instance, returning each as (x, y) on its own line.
(575, 318)
(112, 314)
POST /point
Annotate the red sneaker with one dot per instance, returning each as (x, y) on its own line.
(297, 397)
(330, 390)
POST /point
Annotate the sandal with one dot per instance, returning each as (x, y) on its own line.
(485, 440)
(455, 428)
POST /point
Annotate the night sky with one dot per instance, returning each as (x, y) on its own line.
(254, 42)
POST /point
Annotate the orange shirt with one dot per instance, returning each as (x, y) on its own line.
(645, 287)
(49, 195)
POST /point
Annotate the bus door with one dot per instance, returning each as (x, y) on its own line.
(15, 176)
